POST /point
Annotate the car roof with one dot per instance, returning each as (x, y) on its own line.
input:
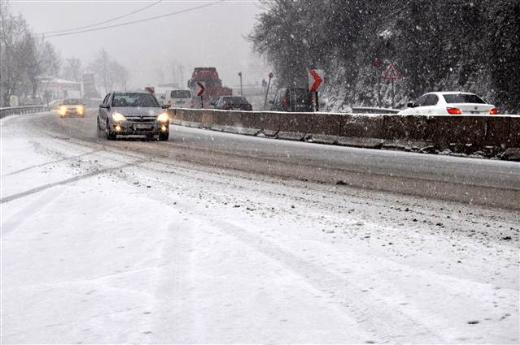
(130, 92)
(449, 93)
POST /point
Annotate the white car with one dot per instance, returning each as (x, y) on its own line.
(449, 103)
(178, 98)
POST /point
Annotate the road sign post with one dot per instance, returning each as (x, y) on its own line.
(315, 83)
(392, 74)
(271, 75)
(201, 89)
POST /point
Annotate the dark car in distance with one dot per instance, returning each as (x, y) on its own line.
(232, 103)
(292, 99)
(132, 113)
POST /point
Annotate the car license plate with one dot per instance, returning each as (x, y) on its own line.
(142, 126)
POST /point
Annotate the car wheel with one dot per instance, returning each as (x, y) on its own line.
(164, 136)
(98, 128)
(109, 134)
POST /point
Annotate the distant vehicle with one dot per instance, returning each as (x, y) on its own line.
(132, 113)
(178, 98)
(293, 100)
(72, 107)
(232, 103)
(449, 103)
(212, 83)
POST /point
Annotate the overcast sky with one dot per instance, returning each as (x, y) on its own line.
(209, 36)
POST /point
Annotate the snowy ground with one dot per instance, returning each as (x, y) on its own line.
(101, 245)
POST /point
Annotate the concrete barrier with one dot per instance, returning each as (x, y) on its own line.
(514, 132)
(465, 134)
(461, 134)
(269, 123)
(362, 126)
(405, 127)
(498, 132)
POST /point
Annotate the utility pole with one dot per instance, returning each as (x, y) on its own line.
(241, 86)
(271, 75)
(2, 75)
(393, 94)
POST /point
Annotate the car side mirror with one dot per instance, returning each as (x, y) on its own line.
(213, 103)
(411, 105)
(104, 106)
(165, 106)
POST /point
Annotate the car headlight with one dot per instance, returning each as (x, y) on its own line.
(118, 117)
(163, 117)
(80, 109)
(62, 110)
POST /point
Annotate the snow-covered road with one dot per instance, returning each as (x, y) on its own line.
(105, 245)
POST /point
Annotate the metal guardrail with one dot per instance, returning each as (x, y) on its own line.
(27, 109)
(372, 110)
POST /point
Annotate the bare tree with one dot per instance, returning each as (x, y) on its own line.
(72, 69)
(112, 73)
(24, 58)
(120, 74)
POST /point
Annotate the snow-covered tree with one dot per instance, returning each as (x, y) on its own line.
(437, 45)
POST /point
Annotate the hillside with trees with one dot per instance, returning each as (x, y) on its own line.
(436, 45)
(26, 57)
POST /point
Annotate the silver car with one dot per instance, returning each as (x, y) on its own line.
(132, 113)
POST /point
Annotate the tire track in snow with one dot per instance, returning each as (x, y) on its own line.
(378, 318)
(66, 181)
(170, 279)
(29, 210)
(64, 159)
(381, 320)
(409, 313)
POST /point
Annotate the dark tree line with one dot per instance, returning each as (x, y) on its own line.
(468, 45)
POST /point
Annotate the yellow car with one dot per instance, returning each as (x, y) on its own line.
(71, 107)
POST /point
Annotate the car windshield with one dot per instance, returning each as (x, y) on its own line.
(180, 94)
(463, 98)
(72, 102)
(134, 100)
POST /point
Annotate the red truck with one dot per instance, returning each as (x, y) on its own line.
(212, 83)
